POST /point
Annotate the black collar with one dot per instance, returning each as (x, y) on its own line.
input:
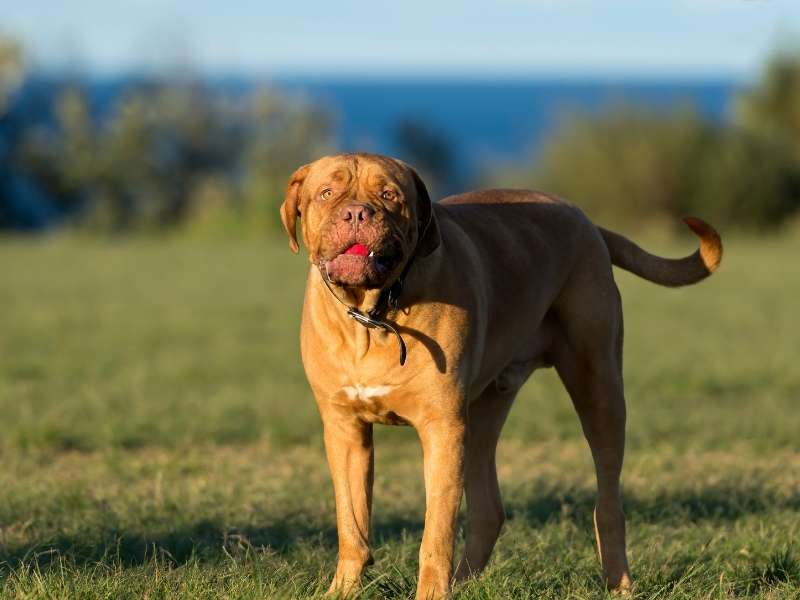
(389, 299)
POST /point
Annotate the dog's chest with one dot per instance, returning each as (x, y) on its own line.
(372, 403)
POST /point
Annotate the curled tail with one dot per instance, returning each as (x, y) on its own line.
(672, 272)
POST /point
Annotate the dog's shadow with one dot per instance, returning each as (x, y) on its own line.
(206, 540)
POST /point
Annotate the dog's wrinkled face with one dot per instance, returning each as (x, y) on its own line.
(362, 216)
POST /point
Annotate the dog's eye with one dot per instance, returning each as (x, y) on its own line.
(326, 194)
(389, 195)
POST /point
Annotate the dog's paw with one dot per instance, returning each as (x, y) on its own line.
(623, 589)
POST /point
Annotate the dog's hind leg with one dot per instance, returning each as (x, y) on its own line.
(485, 514)
(590, 365)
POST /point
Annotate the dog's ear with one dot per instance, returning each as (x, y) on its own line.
(428, 228)
(290, 209)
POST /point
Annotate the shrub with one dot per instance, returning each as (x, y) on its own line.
(628, 165)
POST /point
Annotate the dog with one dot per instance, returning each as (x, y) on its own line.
(433, 315)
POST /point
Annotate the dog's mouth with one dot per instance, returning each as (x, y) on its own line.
(359, 265)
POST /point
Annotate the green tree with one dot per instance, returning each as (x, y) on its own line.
(771, 110)
(170, 154)
(624, 165)
(11, 69)
(633, 165)
(284, 134)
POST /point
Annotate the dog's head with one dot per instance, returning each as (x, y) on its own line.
(363, 217)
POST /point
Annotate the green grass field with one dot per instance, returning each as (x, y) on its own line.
(158, 439)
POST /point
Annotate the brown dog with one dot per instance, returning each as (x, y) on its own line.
(483, 288)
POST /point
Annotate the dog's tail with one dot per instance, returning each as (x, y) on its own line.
(672, 272)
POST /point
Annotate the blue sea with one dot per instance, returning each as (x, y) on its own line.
(495, 121)
(482, 122)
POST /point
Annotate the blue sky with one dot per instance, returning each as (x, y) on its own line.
(717, 38)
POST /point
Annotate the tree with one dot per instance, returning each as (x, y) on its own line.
(624, 165)
(771, 110)
(428, 149)
(10, 70)
(633, 165)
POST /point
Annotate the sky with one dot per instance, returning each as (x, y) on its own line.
(427, 38)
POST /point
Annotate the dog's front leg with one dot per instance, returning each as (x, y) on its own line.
(443, 447)
(348, 444)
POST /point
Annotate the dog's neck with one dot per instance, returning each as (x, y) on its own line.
(363, 300)
(372, 309)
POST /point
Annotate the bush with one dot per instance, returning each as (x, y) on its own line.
(627, 165)
(162, 154)
(169, 153)
(771, 110)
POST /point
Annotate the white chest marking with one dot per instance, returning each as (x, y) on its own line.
(366, 392)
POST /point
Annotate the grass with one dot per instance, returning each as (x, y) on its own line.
(158, 439)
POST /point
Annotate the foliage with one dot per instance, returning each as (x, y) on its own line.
(628, 165)
(10, 70)
(772, 109)
(627, 162)
(430, 152)
(171, 153)
(165, 153)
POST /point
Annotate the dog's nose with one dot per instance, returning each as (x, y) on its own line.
(356, 213)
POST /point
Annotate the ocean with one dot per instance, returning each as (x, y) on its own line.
(490, 122)
(481, 122)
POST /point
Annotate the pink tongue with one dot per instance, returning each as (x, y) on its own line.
(359, 249)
